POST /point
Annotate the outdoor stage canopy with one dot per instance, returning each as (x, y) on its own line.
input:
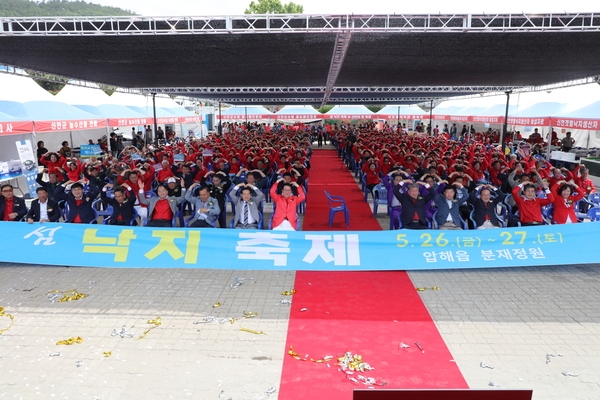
(311, 59)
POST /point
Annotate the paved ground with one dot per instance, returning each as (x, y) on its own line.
(507, 318)
(511, 318)
(178, 359)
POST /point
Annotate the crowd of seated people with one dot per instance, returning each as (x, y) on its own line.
(438, 183)
(158, 185)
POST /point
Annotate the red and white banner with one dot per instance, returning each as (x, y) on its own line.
(73, 125)
(300, 116)
(528, 121)
(118, 122)
(243, 117)
(16, 128)
(412, 117)
(576, 123)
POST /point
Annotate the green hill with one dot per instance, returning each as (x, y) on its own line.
(57, 8)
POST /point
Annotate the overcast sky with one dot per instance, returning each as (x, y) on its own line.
(237, 7)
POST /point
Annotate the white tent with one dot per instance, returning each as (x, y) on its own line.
(294, 114)
(349, 113)
(54, 121)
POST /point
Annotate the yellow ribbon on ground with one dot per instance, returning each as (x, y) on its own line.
(288, 292)
(297, 356)
(70, 341)
(69, 295)
(5, 314)
(107, 353)
(156, 322)
(251, 331)
(420, 289)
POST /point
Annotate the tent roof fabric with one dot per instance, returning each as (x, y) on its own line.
(243, 110)
(297, 110)
(401, 109)
(340, 110)
(44, 111)
(283, 51)
(21, 88)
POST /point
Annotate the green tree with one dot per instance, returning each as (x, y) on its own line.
(273, 7)
(374, 107)
(56, 8)
(324, 109)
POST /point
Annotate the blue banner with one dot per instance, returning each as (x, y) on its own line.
(90, 150)
(141, 247)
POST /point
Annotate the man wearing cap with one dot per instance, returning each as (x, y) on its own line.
(43, 209)
(218, 190)
(173, 187)
(12, 208)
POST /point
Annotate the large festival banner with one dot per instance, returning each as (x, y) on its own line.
(141, 247)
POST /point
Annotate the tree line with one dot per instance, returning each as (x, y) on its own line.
(57, 8)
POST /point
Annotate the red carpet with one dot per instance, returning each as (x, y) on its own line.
(355, 311)
(367, 313)
(326, 174)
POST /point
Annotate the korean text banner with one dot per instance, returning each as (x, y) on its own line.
(141, 247)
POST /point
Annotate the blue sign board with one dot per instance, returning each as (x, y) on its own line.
(141, 247)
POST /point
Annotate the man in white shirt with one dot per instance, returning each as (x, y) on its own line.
(43, 209)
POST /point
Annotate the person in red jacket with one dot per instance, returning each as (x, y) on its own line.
(165, 173)
(583, 181)
(564, 202)
(371, 171)
(530, 207)
(53, 161)
(285, 216)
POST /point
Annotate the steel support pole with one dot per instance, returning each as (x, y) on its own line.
(154, 113)
(505, 126)
(430, 117)
(220, 120)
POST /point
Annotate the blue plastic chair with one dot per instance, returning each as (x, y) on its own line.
(380, 196)
(337, 204)
(547, 212)
(97, 204)
(594, 198)
(594, 214)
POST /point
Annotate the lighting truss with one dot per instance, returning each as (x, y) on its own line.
(301, 24)
(321, 89)
(342, 42)
(301, 94)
